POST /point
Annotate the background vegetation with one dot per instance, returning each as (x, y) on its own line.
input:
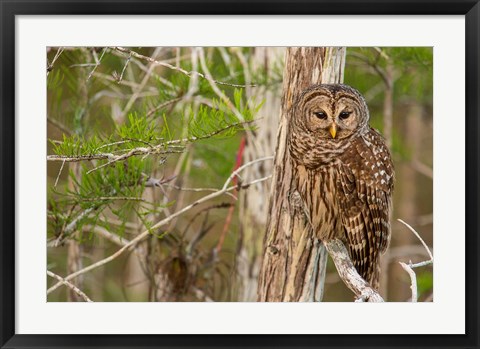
(138, 134)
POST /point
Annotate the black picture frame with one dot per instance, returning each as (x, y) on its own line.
(9, 9)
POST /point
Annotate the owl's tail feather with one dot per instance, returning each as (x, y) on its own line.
(369, 271)
(373, 277)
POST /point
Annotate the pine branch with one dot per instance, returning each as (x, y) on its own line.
(160, 149)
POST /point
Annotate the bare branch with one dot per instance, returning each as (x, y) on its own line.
(57, 55)
(59, 173)
(163, 105)
(409, 267)
(97, 62)
(196, 189)
(70, 286)
(116, 239)
(142, 85)
(73, 225)
(241, 168)
(348, 273)
(413, 279)
(419, 238)
(120, 78)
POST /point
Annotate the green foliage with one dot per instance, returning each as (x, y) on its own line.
(209, 120)
(117, 158)
(215, 157)
(139, 130)
(118, 187)
(55, 80)
(128, 121)
(76, 145)
(424, 283)
(412, 69)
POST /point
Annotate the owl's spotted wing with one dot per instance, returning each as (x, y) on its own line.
(365, 186)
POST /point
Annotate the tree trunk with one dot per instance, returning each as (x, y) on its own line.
(259, 143)
(294, 261)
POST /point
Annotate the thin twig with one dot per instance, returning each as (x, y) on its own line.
(142, 85)
(410, 266)
(120, 78)
(110, 78)
(57, 55)
(97, 62)
(116, 239)
(73, 225)
(59, 173)
(197, 189)
(241, 168)
(193, 83)
(58, 125)
(419, 238)
(163, 105)
(69, 285)
(183, 71)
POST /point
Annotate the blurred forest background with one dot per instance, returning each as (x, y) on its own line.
(138, 136)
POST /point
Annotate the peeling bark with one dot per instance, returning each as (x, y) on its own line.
(294, 260)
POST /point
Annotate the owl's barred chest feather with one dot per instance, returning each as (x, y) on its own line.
(345, 179)
(319, 193)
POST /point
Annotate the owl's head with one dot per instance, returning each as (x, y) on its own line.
(332, 111)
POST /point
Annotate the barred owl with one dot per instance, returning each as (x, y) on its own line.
(343, 172)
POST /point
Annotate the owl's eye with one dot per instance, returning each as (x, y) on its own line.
(345, 115)
(320, 114)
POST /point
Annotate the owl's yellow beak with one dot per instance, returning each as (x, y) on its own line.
(333, 130)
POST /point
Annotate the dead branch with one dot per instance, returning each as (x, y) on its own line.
(348, 273)
(57, 55)
(413, 280)
(70, 285)
(410, 266)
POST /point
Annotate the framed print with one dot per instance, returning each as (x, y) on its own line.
(239, 174)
